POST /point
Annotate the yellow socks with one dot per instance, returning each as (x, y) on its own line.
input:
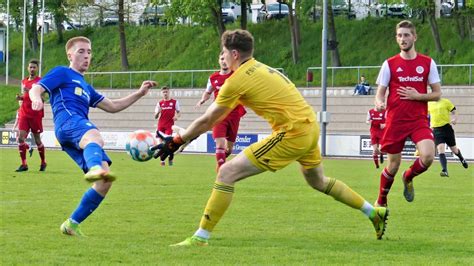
(218, 202)
(341, 192)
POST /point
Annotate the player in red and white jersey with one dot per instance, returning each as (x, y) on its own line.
(225, 132)
(406, 76)
(376, 120)
(29, 119)
(167, 111)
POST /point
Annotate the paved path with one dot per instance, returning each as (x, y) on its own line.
(11, 81)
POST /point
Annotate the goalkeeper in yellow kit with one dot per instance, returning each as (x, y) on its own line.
(295, 136)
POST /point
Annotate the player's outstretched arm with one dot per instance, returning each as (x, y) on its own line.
(35, 97)
(205, 96)
(117, 105)
(170, 144)
(212, 116)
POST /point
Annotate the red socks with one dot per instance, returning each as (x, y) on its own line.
(23, 147)
(376, 159)
(415, 169)
(220, 157)
(386, 181)
(41, 153)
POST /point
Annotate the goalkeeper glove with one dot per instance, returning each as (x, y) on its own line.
(169, 146)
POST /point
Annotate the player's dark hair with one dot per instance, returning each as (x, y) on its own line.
(34, 61)
(70, 43)
(165, 88)
(240, 40)
(406, 24)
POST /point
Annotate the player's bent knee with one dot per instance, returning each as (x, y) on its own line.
(102, 187)
(393, 169)
(315, 178)
(227, 174)
(427, 159)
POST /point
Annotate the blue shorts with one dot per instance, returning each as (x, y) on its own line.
(70, 133)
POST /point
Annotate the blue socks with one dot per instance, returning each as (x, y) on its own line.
(93, 155)
(90, 201)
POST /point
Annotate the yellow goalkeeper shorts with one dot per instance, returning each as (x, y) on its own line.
(281, 148)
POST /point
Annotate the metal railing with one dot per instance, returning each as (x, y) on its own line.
(441, 68)
(116, 79)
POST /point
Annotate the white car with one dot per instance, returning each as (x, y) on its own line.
(389, 10)
(273, 11)
(231, 10)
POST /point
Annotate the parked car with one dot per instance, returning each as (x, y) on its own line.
(231, 11)
(227, 18)
(343, 10)
(390, 10)
(71, 25)
(273, 11)
(153, 15)
(446, 9)
(110, 18)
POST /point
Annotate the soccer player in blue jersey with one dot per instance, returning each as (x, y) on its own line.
(71, 97)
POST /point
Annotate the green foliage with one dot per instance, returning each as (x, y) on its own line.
(199, 11)
(361, 42)
(8, 102)
(274, 219)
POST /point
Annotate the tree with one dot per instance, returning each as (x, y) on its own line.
(57, 8)
(16, 12)
(294, 31)
(198, 11)
(431, 8)
(244, 4)
(428, 8)
(123, 40)
(32, 29)
(332, 38)
(216, 11)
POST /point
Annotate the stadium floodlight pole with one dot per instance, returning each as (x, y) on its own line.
(8, 41)
(41, 42)
(324, 45)
(24, 42)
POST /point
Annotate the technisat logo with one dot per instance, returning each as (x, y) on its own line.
(411, 79)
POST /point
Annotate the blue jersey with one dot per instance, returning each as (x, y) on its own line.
(69, 94)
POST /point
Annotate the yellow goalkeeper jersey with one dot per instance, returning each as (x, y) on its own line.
(440, 112)
(270, 95)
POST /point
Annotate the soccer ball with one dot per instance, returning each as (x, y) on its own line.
(138, 145)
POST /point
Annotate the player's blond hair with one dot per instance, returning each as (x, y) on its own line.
(240, 40)
(71, 42)
(406, 24)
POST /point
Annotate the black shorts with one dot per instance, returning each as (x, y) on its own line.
(444, 134)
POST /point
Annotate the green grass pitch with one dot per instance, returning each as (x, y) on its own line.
(275, 218)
